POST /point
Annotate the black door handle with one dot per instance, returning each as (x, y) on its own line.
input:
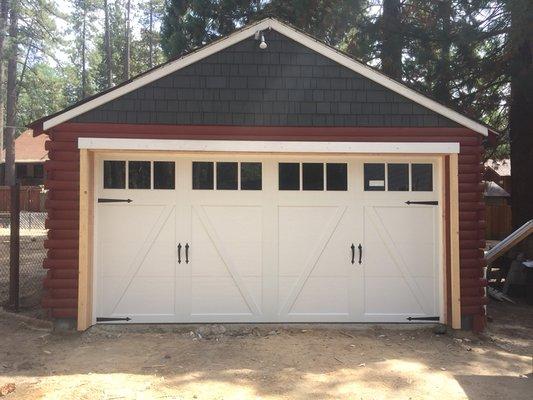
(353, 253)
(360, 252)
(179, 253)
(186, 253)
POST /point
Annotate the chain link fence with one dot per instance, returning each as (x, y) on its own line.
(32, 254)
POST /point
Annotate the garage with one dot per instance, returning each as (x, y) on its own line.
(247, 184)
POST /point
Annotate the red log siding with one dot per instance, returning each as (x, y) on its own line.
(63, 183)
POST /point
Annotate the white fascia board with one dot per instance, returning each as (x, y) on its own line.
(251, 146)
(291, 33)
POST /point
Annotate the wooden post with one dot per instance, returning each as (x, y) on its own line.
(454, 242)
(14, 248)
(85, 241)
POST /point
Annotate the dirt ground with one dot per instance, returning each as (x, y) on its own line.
(308, 362)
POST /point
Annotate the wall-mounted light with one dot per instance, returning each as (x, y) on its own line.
(259, 36)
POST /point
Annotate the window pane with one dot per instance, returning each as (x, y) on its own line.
(251, 176)
(226, 175)
(422, 177)
(164, 175)
(114, 174)
(398, 177)
(374, 177)
(139, 174)
(289, 176)
(313, 176)
(38, 171)
(337, 177)
(202, 175)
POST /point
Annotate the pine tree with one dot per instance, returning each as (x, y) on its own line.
(392, 36)
(520, 49)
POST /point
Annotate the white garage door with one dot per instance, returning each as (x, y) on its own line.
(266, 239)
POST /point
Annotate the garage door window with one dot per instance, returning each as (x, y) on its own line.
(202, 175)
(251, 176)
(289, 176)
(422, 177)
(139, 173)
(313, 176)
(114, 174)
(337, 176)
(374, 177)
(398, 177)
(395, 177)
(227, 176)
(164, 175)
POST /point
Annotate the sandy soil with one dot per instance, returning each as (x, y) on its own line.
(170, 362)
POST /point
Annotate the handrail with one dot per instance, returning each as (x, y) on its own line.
(517, 236)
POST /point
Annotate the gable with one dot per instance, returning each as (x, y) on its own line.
(286, 84)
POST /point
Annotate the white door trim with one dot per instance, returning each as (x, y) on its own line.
(253, 146)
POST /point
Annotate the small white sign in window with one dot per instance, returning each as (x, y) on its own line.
(376, 183)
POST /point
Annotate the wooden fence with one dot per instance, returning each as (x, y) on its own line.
(498, 221)
(31, 198)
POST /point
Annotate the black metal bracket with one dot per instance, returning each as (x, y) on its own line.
(429, 203)
(423, 318)
(104, 319)
(101, 200)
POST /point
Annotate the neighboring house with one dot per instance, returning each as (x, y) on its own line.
(30, 155)
(499, 172)
(494, 194)
(241, 183)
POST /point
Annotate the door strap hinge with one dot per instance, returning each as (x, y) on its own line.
(429, 203)
(101, 200)
(104, 319)
(423, 318)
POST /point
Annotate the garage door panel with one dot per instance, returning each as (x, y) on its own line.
(323, 295)
(224, 278)
(144, 296)
(301, 231)
(387, 296)
(217, 295)
(400, 221)
(122, 222)
(137, 268)
(314, 263)
(400, 275)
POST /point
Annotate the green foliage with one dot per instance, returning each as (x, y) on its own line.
(456, 51)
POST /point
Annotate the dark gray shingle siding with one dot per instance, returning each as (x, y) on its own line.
(286, 84)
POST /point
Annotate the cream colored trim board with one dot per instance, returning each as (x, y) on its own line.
(251, 146)
(291, 33)
(454, 242)
(85, 277)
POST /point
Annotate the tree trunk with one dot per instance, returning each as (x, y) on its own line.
(391, 39)
(151, 34)
(3, 24)
(107, 48)
(83, 53)
(11, 105)
(441, 90)
(521, 111)
(128, 43)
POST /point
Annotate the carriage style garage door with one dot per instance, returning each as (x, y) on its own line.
(229, 238)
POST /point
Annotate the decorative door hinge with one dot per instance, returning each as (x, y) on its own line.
(101, 200)
(423, 318)
(105, 319)
(429, 203)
